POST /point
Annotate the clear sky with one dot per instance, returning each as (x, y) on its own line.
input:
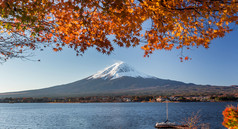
(217, 65)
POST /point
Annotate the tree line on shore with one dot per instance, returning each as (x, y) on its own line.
(98, 99)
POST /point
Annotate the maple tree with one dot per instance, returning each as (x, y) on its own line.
(80, 24)
(230, 117)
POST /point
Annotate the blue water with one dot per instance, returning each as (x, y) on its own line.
(105, 115)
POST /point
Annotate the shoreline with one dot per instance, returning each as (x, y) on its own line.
(120, 102)
(122, 99)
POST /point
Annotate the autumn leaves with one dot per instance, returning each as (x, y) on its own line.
(187, 23)
(81, 24)
(230, 117)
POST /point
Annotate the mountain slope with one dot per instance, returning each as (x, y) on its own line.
(120, 79)
(96, 87)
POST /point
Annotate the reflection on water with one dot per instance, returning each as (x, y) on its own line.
(105, 115)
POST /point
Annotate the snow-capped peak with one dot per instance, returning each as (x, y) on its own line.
(118, 70)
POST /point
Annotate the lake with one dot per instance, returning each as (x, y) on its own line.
(105, 115)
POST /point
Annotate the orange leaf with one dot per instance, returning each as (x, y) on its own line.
(186, 58)
(55, 49)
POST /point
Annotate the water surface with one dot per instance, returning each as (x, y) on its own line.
(105, 115)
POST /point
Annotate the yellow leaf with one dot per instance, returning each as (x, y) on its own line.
(227, 22)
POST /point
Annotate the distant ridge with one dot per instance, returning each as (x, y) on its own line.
(122, 79)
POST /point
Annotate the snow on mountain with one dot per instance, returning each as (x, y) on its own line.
(118, 70)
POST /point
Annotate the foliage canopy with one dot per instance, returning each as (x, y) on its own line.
(230, 117)
(80, 24)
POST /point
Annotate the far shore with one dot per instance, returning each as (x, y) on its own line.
(124, 99)
(125, 102)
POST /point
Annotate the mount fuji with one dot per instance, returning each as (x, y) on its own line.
(118, 70)
(120, 79)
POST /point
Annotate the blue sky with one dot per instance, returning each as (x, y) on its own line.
(217, 65)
